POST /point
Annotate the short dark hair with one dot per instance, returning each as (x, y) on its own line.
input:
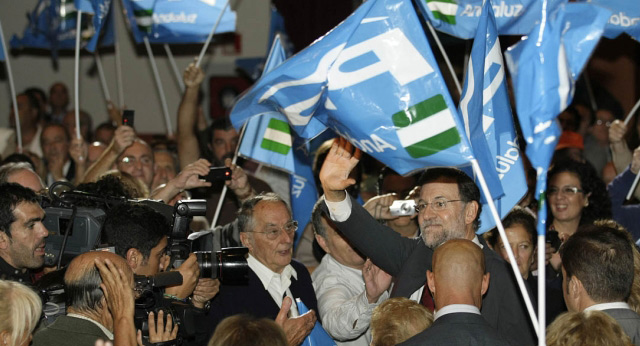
(601, 257)
(134, 226)
(11, 195)
(245, 213)
(33, 102)
(467, 188)
(84, 293)
(517, 216)
(316, 219)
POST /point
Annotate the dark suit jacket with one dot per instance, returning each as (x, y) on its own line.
(464, 329)
(629, 320)
(408, 260)
(253, 299)
(68, 331)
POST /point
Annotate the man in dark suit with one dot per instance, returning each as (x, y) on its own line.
(275, 280)
(448, 208)
(457, 283)
(597, 270)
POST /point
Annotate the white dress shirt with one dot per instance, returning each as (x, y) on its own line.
(608, 306)
(455, 308)
(276, 284)
(342, 302)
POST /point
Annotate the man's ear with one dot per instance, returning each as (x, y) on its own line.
(575, 286)
(431, 283)
(5, 337)
(470, 212)
(4, 241)
(245, 239)
(134, 258)
(485, 282)
(323, 243)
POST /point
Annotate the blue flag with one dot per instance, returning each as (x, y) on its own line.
(544, 67)
(460, 17)
(486, 113)
(177, 21)
(268, 139)
(373, 80)
(52, 26)
(318, 336)
(625, 17)
(2, 57)
(101, 10)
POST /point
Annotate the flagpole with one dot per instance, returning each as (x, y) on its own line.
(224, 188)
(156, 75)
(174, 67)
(103, 80)
(213, 30)
(446, 58)
(76, 93)
(630, 115)
(505, 240)
(592, 97)
(116, 47)
(12, 88)
(541, 185)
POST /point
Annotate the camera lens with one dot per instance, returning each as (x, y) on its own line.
(207, 266)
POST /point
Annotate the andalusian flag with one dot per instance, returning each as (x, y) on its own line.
(277, 136)
(445, 10)
(427, 127)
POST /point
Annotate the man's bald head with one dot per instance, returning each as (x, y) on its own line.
(458, 275)
(82, 280)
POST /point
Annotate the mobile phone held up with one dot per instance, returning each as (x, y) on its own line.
(127, 117)
(217, 173)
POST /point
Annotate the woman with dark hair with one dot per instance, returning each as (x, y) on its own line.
(576, 196)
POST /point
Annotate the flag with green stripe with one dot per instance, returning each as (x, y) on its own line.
(427, 127)
(444, 10)
(277, 136)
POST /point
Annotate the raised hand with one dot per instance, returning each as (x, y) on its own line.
(159, 331)
(239, 182)
(376, 281)
(192, 76)
(334, 174)
(378, 206)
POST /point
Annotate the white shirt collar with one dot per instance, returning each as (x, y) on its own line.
(266, 275)
(453, 308)
(608, 306)
(106, 331)
(476, 241)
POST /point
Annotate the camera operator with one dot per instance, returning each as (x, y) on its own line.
(139, 235)
(22, 234)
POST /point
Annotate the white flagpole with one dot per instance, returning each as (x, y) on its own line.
(174, 67)
(626, 122)
(446, 58)
(13, 91)
(213, 30)
(77, 75)
(116, 48)
(156, 75)
(224, 188)
(505, 240)
(103, 80)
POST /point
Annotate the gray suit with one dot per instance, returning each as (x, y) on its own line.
(629, 320)
(69, 331)
(408, 260)
(461, 328)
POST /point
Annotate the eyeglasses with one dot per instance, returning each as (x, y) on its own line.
(566, 190)
(602, 122)
(438, 204)
(131, 161)
(273, 232)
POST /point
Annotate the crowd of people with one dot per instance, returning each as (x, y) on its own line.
(366, 276)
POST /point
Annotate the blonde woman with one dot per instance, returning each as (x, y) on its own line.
(20, 309)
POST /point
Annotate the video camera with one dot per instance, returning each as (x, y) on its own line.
(229, 264)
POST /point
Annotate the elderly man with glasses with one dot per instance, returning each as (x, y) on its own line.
(448, 208)
(275, 279)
